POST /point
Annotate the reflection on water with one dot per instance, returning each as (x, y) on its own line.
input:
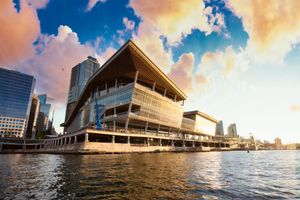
(213, 175)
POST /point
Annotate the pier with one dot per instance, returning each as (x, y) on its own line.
(89, 141)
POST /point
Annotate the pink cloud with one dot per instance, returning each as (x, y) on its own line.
(129, 24)
(92, 4)
(295, 108)
(38, 4)
(18, 33)
(52, 67)
(181, 72)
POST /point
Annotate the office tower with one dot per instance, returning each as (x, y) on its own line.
(232, 131)
(34, 113)
(219, 129)
(16, 91)
(79, 77)
(44, 113)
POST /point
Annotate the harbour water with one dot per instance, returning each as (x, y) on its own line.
(211, 175)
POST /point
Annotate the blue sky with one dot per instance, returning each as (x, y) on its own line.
(236, 61)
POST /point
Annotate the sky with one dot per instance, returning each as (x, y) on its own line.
(238, 61)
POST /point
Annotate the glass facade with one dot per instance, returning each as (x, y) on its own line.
(157, 107)
(15, 100)
(105, 99)
(79, 77)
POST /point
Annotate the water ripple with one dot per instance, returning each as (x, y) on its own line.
(213, 175)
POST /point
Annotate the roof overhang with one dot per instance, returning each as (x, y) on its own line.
(189, 114)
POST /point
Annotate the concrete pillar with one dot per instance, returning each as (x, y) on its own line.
(193, 143)
(24, 145)
(146, 127)
(86, 137)
(175, 98)
(75, 139)
(153, 86)
(183, 143)
(160, 143)
(165, 92)
(148, 142)
(158, 128)
(172, 143)
(128, 140)
(113, 139)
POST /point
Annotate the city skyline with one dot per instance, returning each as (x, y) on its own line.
(232, 65)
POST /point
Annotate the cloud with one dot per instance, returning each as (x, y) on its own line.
(165, 23)
(148, 39)
(174, 19)
(295, 108)
(38, 4)
(222, 64)
(52, 65)
(92, 3)
(129, 24)
(181, 72)
(18, 33)
(272, 25)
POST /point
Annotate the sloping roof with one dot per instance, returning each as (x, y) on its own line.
(125, 62)
(189, 114)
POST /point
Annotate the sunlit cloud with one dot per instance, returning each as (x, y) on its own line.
(273, 27)
(92, 3)
(295, 108)
(172, 20)
(181, 72)
(18, 32)
(52, 66)
(38, 4)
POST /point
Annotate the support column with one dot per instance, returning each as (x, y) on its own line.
(158, 129)
(172, 143)
(128, 140)
(146, 127)
(160, 143)
(75, 139)
(130, 105)
(148, 142)
(175, 98)
(193, 142)
(165, 92)
(153, 86)
(113, 139)
(183, 143)
(86, 137)
(24, 145)
(106, 88)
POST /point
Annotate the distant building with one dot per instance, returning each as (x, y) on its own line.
(44, 114)
(232, 131)
(278, 143)
(79, 77)
(219, 129)
(33, 117)
(16, 90)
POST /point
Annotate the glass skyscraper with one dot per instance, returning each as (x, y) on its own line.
(16, 91)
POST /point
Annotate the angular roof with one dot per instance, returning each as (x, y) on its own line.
(190, 114)
(125, 62)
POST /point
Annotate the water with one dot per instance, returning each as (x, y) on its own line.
(212, 175)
